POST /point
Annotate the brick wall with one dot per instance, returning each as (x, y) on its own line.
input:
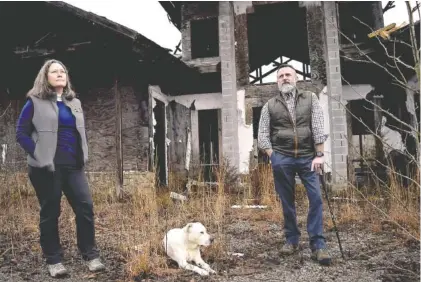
(230, 146)
(336, 107)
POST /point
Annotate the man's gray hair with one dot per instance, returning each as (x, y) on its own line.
(281, 66)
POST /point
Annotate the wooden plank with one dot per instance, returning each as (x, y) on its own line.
(220, 156)
(195, 154)
(171, 132)
(180, 124)
(205, 65)
(151, 128)
(260, 3)
(95, 19)
(351, 151)
(377, 99)
(118, 136)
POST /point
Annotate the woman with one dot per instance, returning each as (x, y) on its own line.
(51, 130)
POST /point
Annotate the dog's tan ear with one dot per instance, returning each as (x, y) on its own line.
(188, 226)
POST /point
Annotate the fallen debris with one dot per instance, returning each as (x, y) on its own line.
(237, 254)
(178, 196)
(352, 200)
(248, 207)
(191, 183)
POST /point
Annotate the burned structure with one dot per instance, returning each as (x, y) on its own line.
(233, 40)
(145, 108)
(110, 68)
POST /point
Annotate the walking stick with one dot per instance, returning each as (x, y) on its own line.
(323, 182)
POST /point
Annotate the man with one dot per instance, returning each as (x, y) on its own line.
(292, 135)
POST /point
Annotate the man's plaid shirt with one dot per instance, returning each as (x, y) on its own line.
(317, 121)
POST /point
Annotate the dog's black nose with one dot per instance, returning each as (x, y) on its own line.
(211, 240)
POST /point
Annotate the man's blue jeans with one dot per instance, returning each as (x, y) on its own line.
(284, 171)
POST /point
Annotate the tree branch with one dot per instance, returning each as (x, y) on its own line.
(389, 5)
(412, 33)
(384, 47)
(5, 110)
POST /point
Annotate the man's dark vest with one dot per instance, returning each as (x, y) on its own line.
(287, 138)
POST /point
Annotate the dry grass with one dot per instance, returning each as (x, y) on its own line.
(134, 225)
(395, 206)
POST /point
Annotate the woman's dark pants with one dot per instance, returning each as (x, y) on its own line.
(49, 187)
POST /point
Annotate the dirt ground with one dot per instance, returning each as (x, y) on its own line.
(252, 241)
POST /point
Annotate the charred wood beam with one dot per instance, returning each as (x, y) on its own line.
(118, 140)
(355, 51)
(95, 19)
(177, 48)
(258, 3)
(32, 52)
(298, 71)
(282, 62)
(173, 10)
(207, 68)
(205, 65)
(417, 7)
(140, 42)
(43, 38)
(151, 160)
(377, 99)
(260, 77)
(79, 44)
(258, 94)
(351, 152)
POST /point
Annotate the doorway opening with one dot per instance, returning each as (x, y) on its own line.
(160, 144)
(209, 140)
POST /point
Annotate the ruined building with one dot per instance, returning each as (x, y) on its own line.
(229, 42)
(147, 108)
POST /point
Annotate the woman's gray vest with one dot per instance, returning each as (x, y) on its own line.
(45, 121)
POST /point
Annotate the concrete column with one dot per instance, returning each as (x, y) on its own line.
(377, 11)
(316, 42)
(242, 8)
(185, 35)
(323, 45)
(337, 109)
(230, 145)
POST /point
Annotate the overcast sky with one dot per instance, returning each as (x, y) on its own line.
(149, 18)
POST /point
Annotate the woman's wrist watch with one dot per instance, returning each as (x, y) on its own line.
(319, 154)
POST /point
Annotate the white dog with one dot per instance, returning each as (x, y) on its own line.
(183, 246)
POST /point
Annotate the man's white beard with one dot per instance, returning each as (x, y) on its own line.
(286, 88)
